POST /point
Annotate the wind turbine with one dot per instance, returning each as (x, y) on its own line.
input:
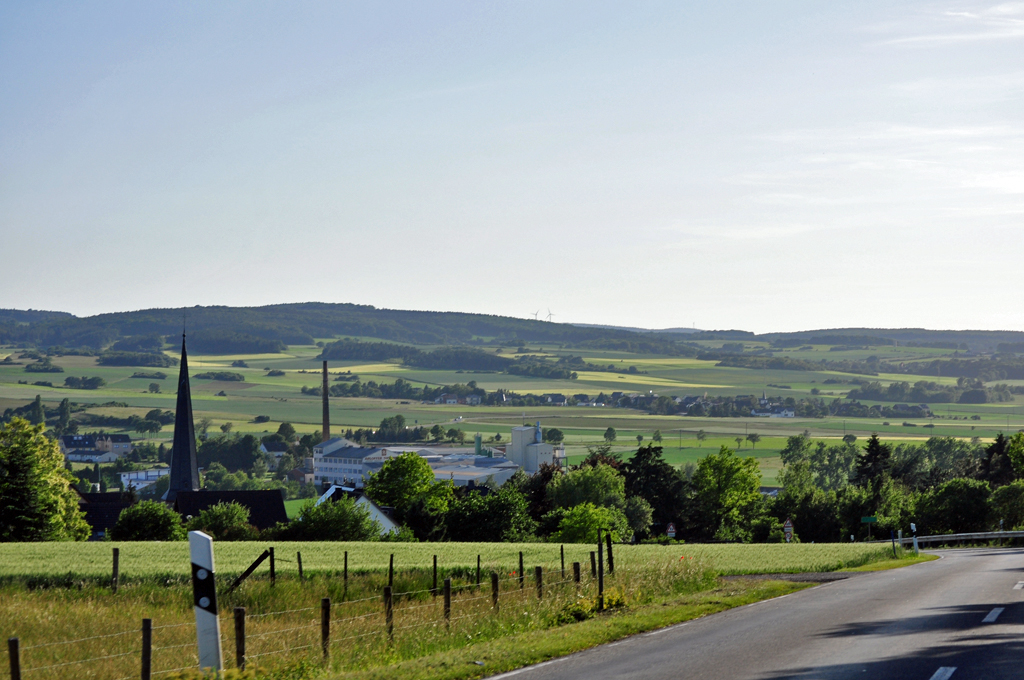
(535, 314)
(549, 315)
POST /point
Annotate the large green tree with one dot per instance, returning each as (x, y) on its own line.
(873, 462)
(727, 492)
(148, 521)
(497, 517)
(37, 502)
(648, 476)
(400, 481)
(340, 520)
(601, 485)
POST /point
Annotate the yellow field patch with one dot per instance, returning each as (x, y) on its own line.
(637, 378)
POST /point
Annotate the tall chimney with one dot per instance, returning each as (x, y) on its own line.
(327, 409)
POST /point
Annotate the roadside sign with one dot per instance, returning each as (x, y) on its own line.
(787, 529)
(671, 530)
(868, 520)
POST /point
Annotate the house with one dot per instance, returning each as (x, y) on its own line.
(303, 475)
(121, 444)
(82, 448)
(377, 513)
(556, 399)
(266, 508)
(274, 451)
(140, 479)
(449, 399)
(101, 511)
(473, 399)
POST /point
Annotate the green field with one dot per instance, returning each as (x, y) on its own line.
(141, 561)
(281, 400)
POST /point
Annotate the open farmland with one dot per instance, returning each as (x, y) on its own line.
(143, 561)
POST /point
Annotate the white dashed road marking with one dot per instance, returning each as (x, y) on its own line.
(944, 673)
(993, 615)
(1020, 584)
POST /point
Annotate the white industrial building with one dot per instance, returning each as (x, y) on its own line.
(529, 451)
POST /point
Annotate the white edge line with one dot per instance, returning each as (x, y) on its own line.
(944, 673)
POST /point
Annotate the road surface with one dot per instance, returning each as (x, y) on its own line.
(960, 617)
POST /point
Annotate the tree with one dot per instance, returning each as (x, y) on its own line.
(701, 436)
(958, 506)
(1015, 452)
(502, 516)
(580, 524)
(37, 414)
(437, 433)
(154, 388)
(753, 438)
(797, 448)
(850, 439)
(739, 442)
(727, 490)
(649, 476)
(287, 430)
(1008, 505)
(609, 434)
(37, 502)
(600, 485)
(338, 520)
(400, 481)
(639, 514)
(234, 453)
(639, 438)
(875, 460)
(148, 521)
(204, 426)
(64, 416)
(657, 436)
(554, 435)
(226, 427)
(225, 522)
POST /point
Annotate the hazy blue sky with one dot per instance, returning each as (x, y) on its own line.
(759, 165)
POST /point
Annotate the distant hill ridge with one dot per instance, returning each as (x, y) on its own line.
(220, 329)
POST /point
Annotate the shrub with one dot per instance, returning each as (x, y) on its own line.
(340, 520)
(225, 522)
(148, 521)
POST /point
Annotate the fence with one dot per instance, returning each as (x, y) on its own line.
(345, 628)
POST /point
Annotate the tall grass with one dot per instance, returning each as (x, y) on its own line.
(283, 620)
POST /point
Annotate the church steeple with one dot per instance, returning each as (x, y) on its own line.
(184, 463)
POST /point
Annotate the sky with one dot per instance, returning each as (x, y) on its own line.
(770, 166)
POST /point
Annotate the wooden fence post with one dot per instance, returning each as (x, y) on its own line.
(298, 559)
(389, 613)
(538, 575)
(240, 638)
(116, 572)
(600, 572)
(522, 576)
(477, 571)
(447, 602)
(611, 560)
(346, 573)
(576, 572)
(561, 549)
(147, 649)
(593, 564)
(494, 591)
(14, 654)
(325, 627)
(273, 570)
(391, 571)
(433, 588)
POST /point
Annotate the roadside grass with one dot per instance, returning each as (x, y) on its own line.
(883, 565)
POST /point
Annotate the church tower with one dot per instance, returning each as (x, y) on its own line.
(184, 463)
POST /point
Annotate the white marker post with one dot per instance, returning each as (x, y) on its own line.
(204, 596)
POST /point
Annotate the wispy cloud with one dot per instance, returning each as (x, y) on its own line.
(998, 22)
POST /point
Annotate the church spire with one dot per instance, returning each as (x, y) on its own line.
(184, 463)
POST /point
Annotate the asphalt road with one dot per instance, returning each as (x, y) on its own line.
(959, 617)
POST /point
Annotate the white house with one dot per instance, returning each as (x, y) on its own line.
(387, 525)
(143, 478)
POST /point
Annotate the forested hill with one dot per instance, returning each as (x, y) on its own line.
(217, 329)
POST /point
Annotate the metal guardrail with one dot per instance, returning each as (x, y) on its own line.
(908, 541)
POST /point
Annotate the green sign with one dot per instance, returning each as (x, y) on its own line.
(868, 520)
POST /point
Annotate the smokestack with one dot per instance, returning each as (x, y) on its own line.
(327, 409)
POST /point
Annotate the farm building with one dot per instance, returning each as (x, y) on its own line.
(140, 479)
